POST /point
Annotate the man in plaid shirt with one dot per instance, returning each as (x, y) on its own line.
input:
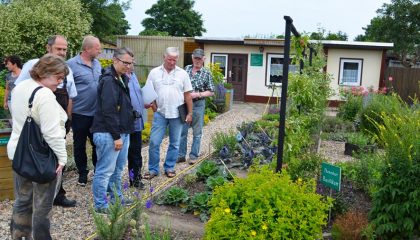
(203, 87)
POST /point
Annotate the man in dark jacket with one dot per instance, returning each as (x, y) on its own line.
(111, 129)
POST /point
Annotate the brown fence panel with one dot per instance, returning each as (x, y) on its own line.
(406, 82)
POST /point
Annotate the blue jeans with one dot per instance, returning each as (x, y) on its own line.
(197, 127)
(156, 136)
(109, 168)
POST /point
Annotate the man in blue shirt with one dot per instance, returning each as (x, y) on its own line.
(86, 71)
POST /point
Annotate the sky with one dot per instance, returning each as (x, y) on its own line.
(259, 18)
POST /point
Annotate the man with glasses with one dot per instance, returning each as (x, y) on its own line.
(65, 92)
(86, 71)
(203, 87)
(173, 87)
(111, 128)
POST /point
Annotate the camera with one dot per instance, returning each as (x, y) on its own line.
(136, 114)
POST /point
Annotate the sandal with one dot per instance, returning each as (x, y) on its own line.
(170, 174)
(149, 175)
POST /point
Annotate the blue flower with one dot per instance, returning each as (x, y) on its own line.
(131, 175)
(149, 203)
(151, 189)
(136, 193)
(125, 186)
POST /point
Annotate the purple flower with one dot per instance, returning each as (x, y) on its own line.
(131, 175)
(136, 193)
(125, 186)
(149, 203)
(151, 189)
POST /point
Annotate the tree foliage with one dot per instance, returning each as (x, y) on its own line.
(108, 17)
(398, 22)
(176, 17)
(323, 35)
(25, 25)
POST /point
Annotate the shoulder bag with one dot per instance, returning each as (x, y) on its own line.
(33, 158)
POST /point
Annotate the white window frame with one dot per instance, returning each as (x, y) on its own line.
(359, 72)
(221, 55)
(292, 68)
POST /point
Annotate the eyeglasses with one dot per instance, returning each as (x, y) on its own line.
(127, 64)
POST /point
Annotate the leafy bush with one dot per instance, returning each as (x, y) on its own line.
(334, 124)
(380, 104)
(349, 110)
(207, 169)
(213, 182)
(359, 139)
(221, 140)
(364, 172)
(198, 205)
(349, 226)
(174, 196)
(266, 205)
(396, 204)
(190, 179)
(306, 167)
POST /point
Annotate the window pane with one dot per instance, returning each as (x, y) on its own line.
(350, 72)
(221, 60)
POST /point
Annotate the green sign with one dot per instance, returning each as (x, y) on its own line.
(256, 59)
(331, 176)
(4, 141)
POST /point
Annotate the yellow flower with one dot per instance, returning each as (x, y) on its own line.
(299, 180)
(253, 233)
(264, 226)
(227, 210)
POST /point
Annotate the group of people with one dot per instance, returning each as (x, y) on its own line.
(106, 107)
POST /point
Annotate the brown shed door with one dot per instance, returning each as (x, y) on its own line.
(237, 72)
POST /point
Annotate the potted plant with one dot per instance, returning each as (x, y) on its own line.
(228, 95)
(357, 142)
(220, 90)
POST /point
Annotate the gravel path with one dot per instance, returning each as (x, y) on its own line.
(77, 223)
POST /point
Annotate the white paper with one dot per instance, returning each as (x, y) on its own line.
(148, 93)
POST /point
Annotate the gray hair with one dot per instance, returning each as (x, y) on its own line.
(119, 52)
(89, 41)
(173, 51)
(51, 40)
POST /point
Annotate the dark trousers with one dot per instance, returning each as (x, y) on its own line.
(81, 131)
(61, 194)
(32, 209)
(135, 160)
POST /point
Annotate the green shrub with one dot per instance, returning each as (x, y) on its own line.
(207, 169)
(364, 172)
(213, 182)
(396, 204)
(221, 139)
(266, 205)
(332, 136)
(271, 117)
(306, 167)
(359, 139)
(380, 104)
(335, 124)
(190, 179)
(173, 196)
(350, 109)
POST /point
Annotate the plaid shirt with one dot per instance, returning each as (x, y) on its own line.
(202, 80)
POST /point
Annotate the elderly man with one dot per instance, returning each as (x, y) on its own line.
(173, 87)
(86, 70)
(65, 92)
(203, 87)
(112, 125)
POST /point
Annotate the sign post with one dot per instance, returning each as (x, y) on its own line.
(331, 177)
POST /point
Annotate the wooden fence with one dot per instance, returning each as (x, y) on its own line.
(405, 81)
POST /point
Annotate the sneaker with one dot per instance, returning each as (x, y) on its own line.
(181, 159)
(82, 180)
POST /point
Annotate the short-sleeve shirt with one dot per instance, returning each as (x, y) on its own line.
(202, 80)
(86, 79)
(25, 75)
(10, 81)
(170, 88)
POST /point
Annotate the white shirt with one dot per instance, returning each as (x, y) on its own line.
(170, 88)
(46, 112)
(25, 75)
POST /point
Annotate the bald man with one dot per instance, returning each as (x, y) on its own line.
(86, 71)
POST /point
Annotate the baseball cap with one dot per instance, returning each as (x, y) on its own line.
(198, 53)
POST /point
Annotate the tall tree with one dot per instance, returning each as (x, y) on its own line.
(25, 25)
(398, 22)
(322, 35)
(176, 17)
(108, 17)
